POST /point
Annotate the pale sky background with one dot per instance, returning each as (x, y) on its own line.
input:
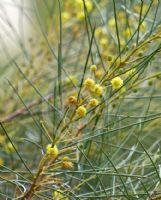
(15, 23)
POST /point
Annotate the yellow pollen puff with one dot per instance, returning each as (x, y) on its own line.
(110, 58)
(58, 195)
(65, 158)
(72, 100)
(105, 55)
(144, 8)
(67, 165)
(93, 68)
(111, 22)
(127, 33)
(81, 111)
(65, 17)
(121, 16)
(117, 82)
(72, 80)
(9, 148)
(89, 5)
(104, 42)
(93, 102)
(98, 90)
(117, 62)
(89, 83)
(80, 15)
(122, 42)
(80, 5)
(131, 72)
(99, 32)
(52, 151)
(99, 74)
(79, 8)
(143, 27)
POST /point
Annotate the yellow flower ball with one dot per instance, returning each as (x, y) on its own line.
(71, 80)
(99, 74)
(81, 111)
(93, 68)
(80, 15)
(79, 8)
(98, 90)
(89, 84)
(80, 5)
(127, 33)
(93, 102)
(67, 165)
(111, 22)
(130, 72)
(117, 82)
(52, 151)
(143, 27)
(65, 17)
(65, 158)
(9, 148)
(122, 42)
(72, 100)
(144, 8)
(99, 32)
(58, 195)
(89, 5)
(104, 42)
(110, 58)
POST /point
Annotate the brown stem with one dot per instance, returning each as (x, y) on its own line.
(22, 111)
(30, 191)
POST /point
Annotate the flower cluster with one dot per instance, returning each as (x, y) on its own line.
(52, 152)
(117, 83)
(75, 9)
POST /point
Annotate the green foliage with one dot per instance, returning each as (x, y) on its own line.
(80, 102)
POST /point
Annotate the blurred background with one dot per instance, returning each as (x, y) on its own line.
(30, 36)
